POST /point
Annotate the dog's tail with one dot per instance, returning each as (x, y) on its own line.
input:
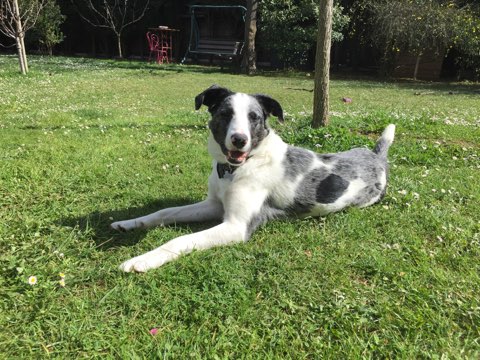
(381, 148)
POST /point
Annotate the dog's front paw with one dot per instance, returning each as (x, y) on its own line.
(144, 262)
(124, 226)
(134, 265)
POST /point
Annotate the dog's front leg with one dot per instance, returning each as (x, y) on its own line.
(242, 205)
(203, 211)
(223, 234)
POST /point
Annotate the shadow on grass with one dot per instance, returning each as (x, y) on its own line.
(418, 87)
(68, 64)
(96, 225)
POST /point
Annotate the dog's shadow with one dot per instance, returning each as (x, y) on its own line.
(96, 225)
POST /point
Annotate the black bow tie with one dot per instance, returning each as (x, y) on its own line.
(223, 169)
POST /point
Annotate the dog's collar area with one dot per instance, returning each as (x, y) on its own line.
(223, 169)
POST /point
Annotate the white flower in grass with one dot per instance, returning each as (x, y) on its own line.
(32, 280)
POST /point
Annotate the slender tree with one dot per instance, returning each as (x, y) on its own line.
(15, 20)
(249, 61)
(114, 15)
(322, 64)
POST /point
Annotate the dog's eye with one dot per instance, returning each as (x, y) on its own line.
(225, 113)
(253, 116)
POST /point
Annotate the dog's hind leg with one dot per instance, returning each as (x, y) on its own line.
(206, 210)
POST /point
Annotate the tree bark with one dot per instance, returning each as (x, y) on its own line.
(22, 56)
(322, 65)
(417, 65)
(119, 44)
(249, 60)
(24, 51)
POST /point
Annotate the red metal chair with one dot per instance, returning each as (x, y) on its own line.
(155, 46)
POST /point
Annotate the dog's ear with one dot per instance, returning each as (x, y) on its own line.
(270, 106)
(211, 97)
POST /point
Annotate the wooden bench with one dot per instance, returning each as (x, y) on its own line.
(226, 49)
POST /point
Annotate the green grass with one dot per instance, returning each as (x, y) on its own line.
(84, 142)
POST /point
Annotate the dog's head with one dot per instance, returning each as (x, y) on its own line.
(239, 121)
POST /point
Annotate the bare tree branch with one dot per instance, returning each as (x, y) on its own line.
(114, 15)
(16, 20)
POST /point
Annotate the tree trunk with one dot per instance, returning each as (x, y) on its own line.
(24, 52)
(249, 61)
(22, 56)
(417, 65)
(322, 64)
(119, 44)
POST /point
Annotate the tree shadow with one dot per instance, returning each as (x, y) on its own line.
(439, 88)
(97, 223)
(60, 64)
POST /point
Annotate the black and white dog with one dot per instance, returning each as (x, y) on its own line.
(257, 177)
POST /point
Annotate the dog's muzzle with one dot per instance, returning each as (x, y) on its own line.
(238, 156)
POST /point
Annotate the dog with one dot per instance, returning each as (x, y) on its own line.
(257, 177)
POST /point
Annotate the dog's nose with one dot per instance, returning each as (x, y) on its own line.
(239, 140)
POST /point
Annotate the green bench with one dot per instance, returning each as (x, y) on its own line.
(225, 49)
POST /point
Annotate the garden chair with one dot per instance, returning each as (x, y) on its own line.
(155, 46)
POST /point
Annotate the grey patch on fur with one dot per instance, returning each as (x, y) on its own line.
(300, 206)
(359, 163)
(219, 123)
(325, 184)
(258, 123)
(326, 158)
(381, 148)
(330, 189)
(267, 212)
(384, 190)
(306, 191)
(297, 161)
(367, 166)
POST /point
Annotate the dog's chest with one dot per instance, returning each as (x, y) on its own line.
(219, 186)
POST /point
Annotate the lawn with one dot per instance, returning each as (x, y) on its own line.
(84, 142)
